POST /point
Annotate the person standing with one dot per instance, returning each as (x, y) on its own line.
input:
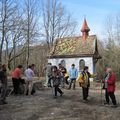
(3, 79)
(62, 71)
(16, 77)
(73, 74)
(84, 80)
(110, 81)
(29, 79)
(48, 75)
(55, 77)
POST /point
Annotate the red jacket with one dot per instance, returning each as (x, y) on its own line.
(111, 83)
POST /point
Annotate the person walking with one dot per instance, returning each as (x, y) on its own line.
(109, 84)
(55, 77)
(73, 74)
(3, 79)
(84, 81)
(16, 77)
(29, 73)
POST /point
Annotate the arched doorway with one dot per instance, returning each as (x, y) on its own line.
(63, 63)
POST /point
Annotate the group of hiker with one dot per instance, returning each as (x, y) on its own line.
(17, 81)
(57, 76)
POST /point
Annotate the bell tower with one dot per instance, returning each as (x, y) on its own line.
(85, 30)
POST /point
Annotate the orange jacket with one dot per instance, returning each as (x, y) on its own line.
(17, 73)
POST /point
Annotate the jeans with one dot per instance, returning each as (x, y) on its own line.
(73, 80)
(62, 81)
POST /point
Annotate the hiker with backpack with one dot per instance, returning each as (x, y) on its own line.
(55, 78)
(84, 81)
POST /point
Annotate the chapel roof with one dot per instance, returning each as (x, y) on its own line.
(74, 46)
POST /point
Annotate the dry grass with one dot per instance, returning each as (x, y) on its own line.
(42, 106)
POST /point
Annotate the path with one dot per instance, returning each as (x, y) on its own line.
(42, 106)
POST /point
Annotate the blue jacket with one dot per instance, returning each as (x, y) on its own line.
(73, 73)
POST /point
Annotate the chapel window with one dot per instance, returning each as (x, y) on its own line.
(81, 65)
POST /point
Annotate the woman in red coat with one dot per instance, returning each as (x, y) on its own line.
(111, 86)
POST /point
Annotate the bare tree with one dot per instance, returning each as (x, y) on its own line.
(111, 50)
(10, 30)
(7, 18)
(57, 22)
(30, 23)
(3, 20)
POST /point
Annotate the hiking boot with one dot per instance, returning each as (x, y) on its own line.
(55, 97)
(106, 103)
(61, 94)
(26, 93)
(114, 106)
(85, 101)
(3, 102)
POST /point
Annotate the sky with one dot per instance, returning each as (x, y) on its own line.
(96, 12)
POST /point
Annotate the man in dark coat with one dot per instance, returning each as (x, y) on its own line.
(3, 79)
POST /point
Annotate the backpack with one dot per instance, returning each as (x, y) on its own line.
(83, 74)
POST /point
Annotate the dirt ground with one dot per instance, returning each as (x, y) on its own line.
(42, 106)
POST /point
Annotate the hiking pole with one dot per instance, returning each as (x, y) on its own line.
(101, 91)
(52, 91)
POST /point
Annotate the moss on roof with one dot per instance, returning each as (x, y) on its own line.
(74, 46)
